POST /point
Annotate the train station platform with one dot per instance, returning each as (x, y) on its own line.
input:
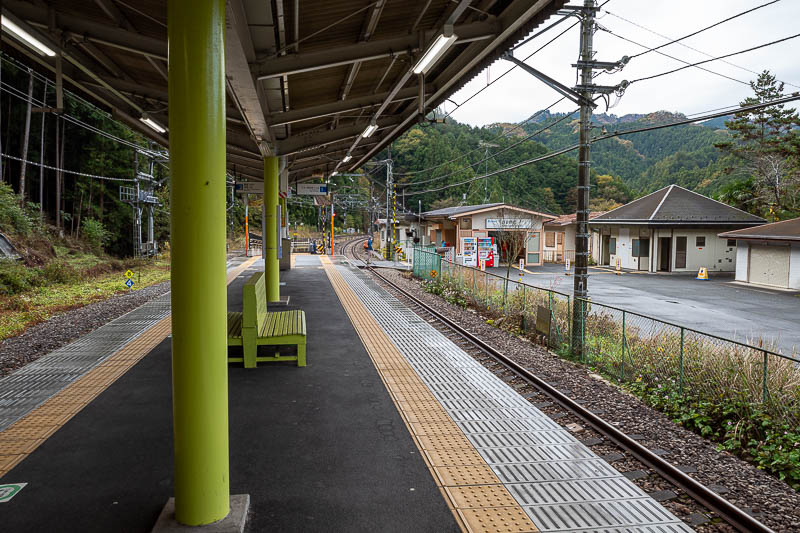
(390, 427)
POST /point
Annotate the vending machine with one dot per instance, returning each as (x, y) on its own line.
(486, 251)
(469, 251)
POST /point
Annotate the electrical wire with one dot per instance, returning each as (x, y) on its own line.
(716, 58)
(706, 28)
(742, 109)
(65, 171)
(537, 132)
(669, 56)
(508, 133)
(689, 47)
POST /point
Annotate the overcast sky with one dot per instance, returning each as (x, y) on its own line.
(518, 95)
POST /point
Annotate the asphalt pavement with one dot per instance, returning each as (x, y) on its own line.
(718, 306)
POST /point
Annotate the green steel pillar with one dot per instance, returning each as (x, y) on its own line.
(196, 29)
(271, 243)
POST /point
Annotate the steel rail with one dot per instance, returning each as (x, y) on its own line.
(734, 516)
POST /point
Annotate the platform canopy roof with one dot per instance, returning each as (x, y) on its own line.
(304, 78)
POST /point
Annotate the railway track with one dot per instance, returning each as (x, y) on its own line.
(509, 370)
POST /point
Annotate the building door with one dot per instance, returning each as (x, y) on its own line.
(680, 252)
(664, 249)
(769, 265)
(606, 250)
(560, 246)
(533, 257)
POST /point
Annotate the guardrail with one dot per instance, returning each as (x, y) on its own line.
(662, 357)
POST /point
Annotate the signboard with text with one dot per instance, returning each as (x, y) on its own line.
(508, 223)
(312, 189)
(253, 187)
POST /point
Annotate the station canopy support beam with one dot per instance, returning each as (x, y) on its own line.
(270, 239)
(196, 31)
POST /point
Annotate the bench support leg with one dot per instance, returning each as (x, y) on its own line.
(301, 354)
(249, 347)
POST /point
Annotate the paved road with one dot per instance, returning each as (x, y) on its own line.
(718, 306)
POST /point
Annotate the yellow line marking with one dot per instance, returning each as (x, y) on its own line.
(26, 434)
(479, 501)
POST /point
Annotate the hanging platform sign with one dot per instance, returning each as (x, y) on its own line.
(252, 187)
(312, 189)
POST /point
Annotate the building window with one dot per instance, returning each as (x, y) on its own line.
(700, 241)
(466, 223)
(640, 248)
(612, 246)
(550, 239)
(731, 242)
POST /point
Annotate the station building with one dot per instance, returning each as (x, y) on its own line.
(768, 254)
(407, 228)
(671, 230)
(452, 224)
(559, 239)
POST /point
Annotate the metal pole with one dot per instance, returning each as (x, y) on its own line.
(196, 32)
(622, 371)
(581, 288)
(270, 240)
(41, 154)
(683, 333)
(764, 389)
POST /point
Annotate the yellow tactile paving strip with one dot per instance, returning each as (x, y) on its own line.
(479, 502)
(24, 436)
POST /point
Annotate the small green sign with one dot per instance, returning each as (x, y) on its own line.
(9, 491)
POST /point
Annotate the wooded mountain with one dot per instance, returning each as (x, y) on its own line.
(634, 164)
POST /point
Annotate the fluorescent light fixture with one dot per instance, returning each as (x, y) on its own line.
(432, 55)
(347, 158)
(334, 173)
(369, 130)
(26, 37)
(152, 123)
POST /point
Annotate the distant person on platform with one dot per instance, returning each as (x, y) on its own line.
(444, 243)
(369, 244)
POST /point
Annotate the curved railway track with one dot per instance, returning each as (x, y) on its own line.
(725, 510)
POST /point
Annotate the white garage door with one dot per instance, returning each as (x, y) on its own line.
(769, 265)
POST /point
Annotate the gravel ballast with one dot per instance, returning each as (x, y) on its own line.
(773, 502)
(41, 339)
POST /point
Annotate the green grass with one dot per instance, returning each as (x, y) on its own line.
(22, 310)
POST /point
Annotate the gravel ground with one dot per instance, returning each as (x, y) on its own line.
(773, 502)
(62, 329)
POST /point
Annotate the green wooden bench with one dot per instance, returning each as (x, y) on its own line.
(255, 327)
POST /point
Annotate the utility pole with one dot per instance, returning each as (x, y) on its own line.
(581, 281)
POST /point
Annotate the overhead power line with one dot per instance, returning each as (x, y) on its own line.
(793, 97)
(670, 56)
(65, 171)
(507, 148)
(638, 25)
(706, 28)
(717, 58)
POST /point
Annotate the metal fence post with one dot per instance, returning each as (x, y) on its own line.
(486, 289)
(622, 370)
(683, 333)
(569, 322)
(524, 309)
(764, 390)
(505, 296)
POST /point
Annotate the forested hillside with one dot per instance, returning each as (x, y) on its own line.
(730, 160)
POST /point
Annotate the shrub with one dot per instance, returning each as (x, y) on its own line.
(59, 272)
(16, 277)
(12, 217)
(96, 235)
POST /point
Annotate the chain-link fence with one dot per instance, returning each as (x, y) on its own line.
(666, 358)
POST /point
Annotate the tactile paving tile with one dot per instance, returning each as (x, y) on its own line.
(524, 448)
(468, 497)
(465, 475)
(464, 456)
(496, 520)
